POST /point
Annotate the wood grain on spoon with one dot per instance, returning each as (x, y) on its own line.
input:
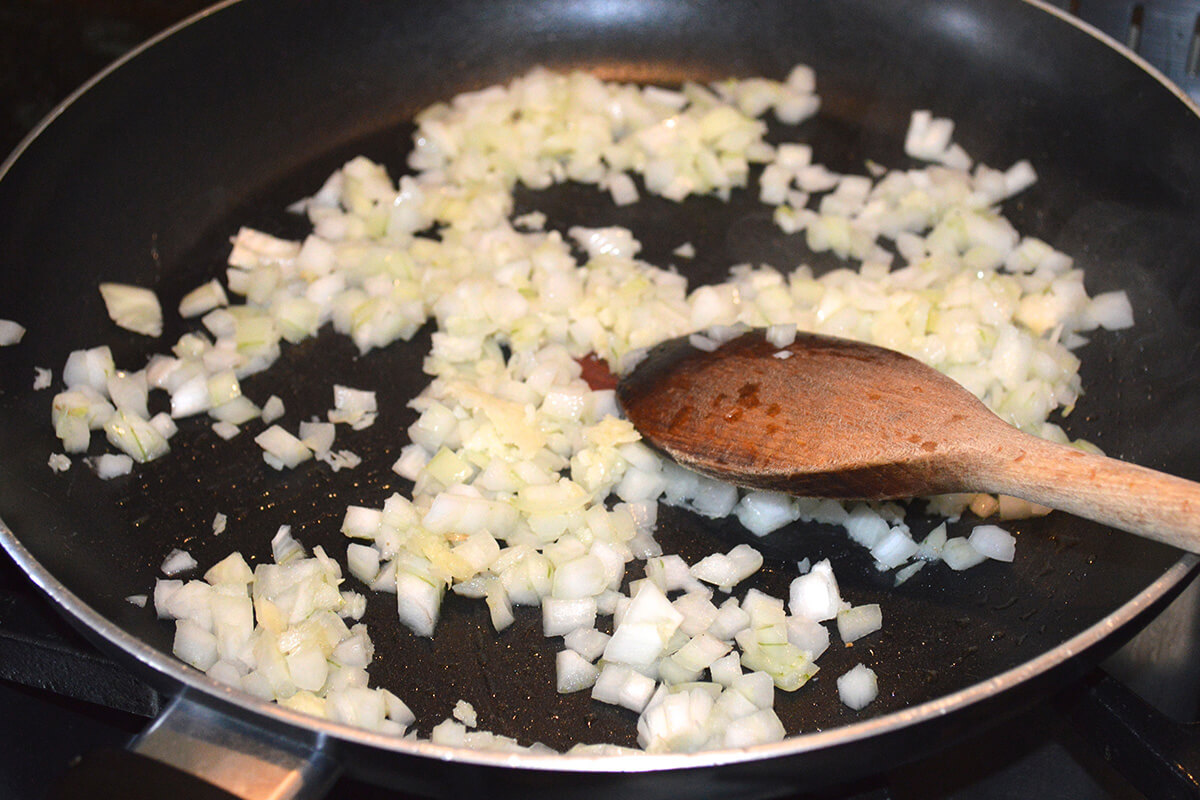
(843, 419)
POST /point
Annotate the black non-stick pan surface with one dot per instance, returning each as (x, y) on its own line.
(144, 176)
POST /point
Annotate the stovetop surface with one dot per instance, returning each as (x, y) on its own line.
(59, 697)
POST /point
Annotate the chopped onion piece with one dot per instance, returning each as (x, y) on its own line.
(1016, 508)
(933, 544)
(1111, 311)
(272, 410)
(644, 629)
(761, 727)
(342, 459)
(587, 642)
(902, 575)
(282, 449)
(561, 616)
(362, 562)
(993, 542)
(866, 527)
(573, 672)
(764, 512)
(90, 368)
(811, 637)
(958, 554)
(202, 299)
(135, 436)
(729, 620)
(895, 548)
(698, 611)
(676, 721)
(858, 687)
(10, 332)
(163, 423)
(133, 308)
(354, 407)
(284, 546)
(858, 621)
(226, 430)
(318, 436)
(164, 591)
(178, 561)
(726, 571)
(418, 601)
(194, 645)
(620, 685)
(814, 595)
(781, 335)
(700, 652)
(464, 712)
(581, 577)
(109, 466)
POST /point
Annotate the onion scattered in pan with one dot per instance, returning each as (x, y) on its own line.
(529, 488)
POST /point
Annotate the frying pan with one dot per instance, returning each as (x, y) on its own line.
(144, 175)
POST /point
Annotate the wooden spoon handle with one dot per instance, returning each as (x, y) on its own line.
(1135, 499)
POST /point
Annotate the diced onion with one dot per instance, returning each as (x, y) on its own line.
(993, 542)
(959, 554)
(10, 332)
(282, 449)
(858, 621)
(764, 512)
(527, 487)
(178, 561)
(573, 672)
(133, 308)
(110, 466)
(858, 687)
(272, 409)
(202, 299)
(814, 595)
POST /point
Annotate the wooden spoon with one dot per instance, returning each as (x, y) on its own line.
(843, 419)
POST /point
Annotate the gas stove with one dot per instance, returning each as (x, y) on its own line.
(60, 697)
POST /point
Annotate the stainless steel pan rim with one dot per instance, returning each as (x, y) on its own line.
(99, 76)
(309, 727)
(318, 732)
(1121, 48)
(1044, 5)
